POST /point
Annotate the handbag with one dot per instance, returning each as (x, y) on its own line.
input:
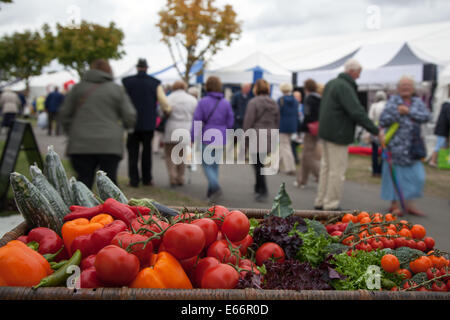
(313, 128)
(418, 150)
(444, 159)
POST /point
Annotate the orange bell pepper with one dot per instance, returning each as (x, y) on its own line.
(21, 266)
(166, 273)
(102, 218)
(78, 227)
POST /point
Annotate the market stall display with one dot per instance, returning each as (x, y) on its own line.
(118, 247)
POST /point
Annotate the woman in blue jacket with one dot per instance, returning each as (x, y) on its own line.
(288, 125)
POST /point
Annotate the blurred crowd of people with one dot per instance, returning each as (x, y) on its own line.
(320, 120)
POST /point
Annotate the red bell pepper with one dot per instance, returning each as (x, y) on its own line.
(92, 243)
(87, 262)
(48, 240)
(140, 210)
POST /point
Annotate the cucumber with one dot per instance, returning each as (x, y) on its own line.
(107, 189)
(56, 175)
(33, 205)
(41, 182)
(82, 196)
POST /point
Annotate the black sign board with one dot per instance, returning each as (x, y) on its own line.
(20, 138)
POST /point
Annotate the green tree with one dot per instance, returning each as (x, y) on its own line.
(23, 55)
(77, 46)
(195, 30)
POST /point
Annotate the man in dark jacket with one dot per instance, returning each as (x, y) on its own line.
(145, 92)
(340, 112)
(442, 131)
(52, 104)
(239, 104)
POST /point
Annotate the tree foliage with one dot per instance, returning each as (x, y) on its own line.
(196, 30)
(77, 46)
(23, 54)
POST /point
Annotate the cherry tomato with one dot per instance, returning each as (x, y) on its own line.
(422, 289)
(246, 262)
(235, 226)
(248, 269)
(218, 214)
(418, 231)
(439, 286)
(221, 251)
(125, 238)
(115, 266)
(405, 273)
(267, 251)
(362, 215)
(405, 233)
(222, 276)
(433, 273)
(376, 244)
(336, 234)
(347, 218)
(185, 217)
(445, 271)
(342, 227)
(184, 240)
(202, 265)
(420, 245)
(388, 243)
(210, 229)
(411, 244)
(400, 242)
(365, 220)
(420, 264)
(448, 285)
(429, 241)
(244, 244)
(390, 263)
(389, 217)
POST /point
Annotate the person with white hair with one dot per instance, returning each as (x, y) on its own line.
(375, 111)
(340, 112)
(9, 104)
(406, 147)
(289, 119)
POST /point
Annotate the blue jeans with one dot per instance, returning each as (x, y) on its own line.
(212, 170)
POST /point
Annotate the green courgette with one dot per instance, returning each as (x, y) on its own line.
(107, 189)
(82, 195)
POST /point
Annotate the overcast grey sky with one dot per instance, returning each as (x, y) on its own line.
(263, 20)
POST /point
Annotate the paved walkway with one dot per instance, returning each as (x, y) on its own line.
(237, 183)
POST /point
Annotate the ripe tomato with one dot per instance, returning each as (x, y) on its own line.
(400, 242)
(267, 251)
(390, 263)
(342, 227)
(222, 276)
(448, 285)
(394, 289)
(347, 218)
(362, 215)
(244, 244)
(441, 262)
(420, 264)
(87, 262)
(405, 273)
(221, 251)
(185, 217)
(125, 238)
(405, 233)
(433, 273)
(115, 266)
(418, 231)
(364, 247)
(388, 243)
(202, 265)
(377, 230)
(411, 243)
(365, 220)
(189, 264)
(445, 271)
(420, 245)
(184, 240)
(376, 244)
(220, 236)
(377, 219)
(422, 289)
(439, 286)
(209, 228)
(389, 217)
(248, 269)
(235, 226)
(140, 224)
(348, 241)
(218, 214)
(429, 241)
(336, 234)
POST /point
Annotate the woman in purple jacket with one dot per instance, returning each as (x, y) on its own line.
(215, 115)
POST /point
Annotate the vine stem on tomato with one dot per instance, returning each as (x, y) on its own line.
(425, 283)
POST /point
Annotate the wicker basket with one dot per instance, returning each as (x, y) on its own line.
(60, 293)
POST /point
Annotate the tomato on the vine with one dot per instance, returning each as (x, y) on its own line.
(221, 251)
(199, 269)
(244, 244)
(433, 273)
(390, 263)
(420, 245)
(184, 240)
(269, 250)
(418, 231)
(420, 264)
(222, 276)
(210, 229)
(429, 241)
(405, 273)
(235, 226)
(218, 214)
(439, 286)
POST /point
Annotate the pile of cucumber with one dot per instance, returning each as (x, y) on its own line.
(46, 199)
